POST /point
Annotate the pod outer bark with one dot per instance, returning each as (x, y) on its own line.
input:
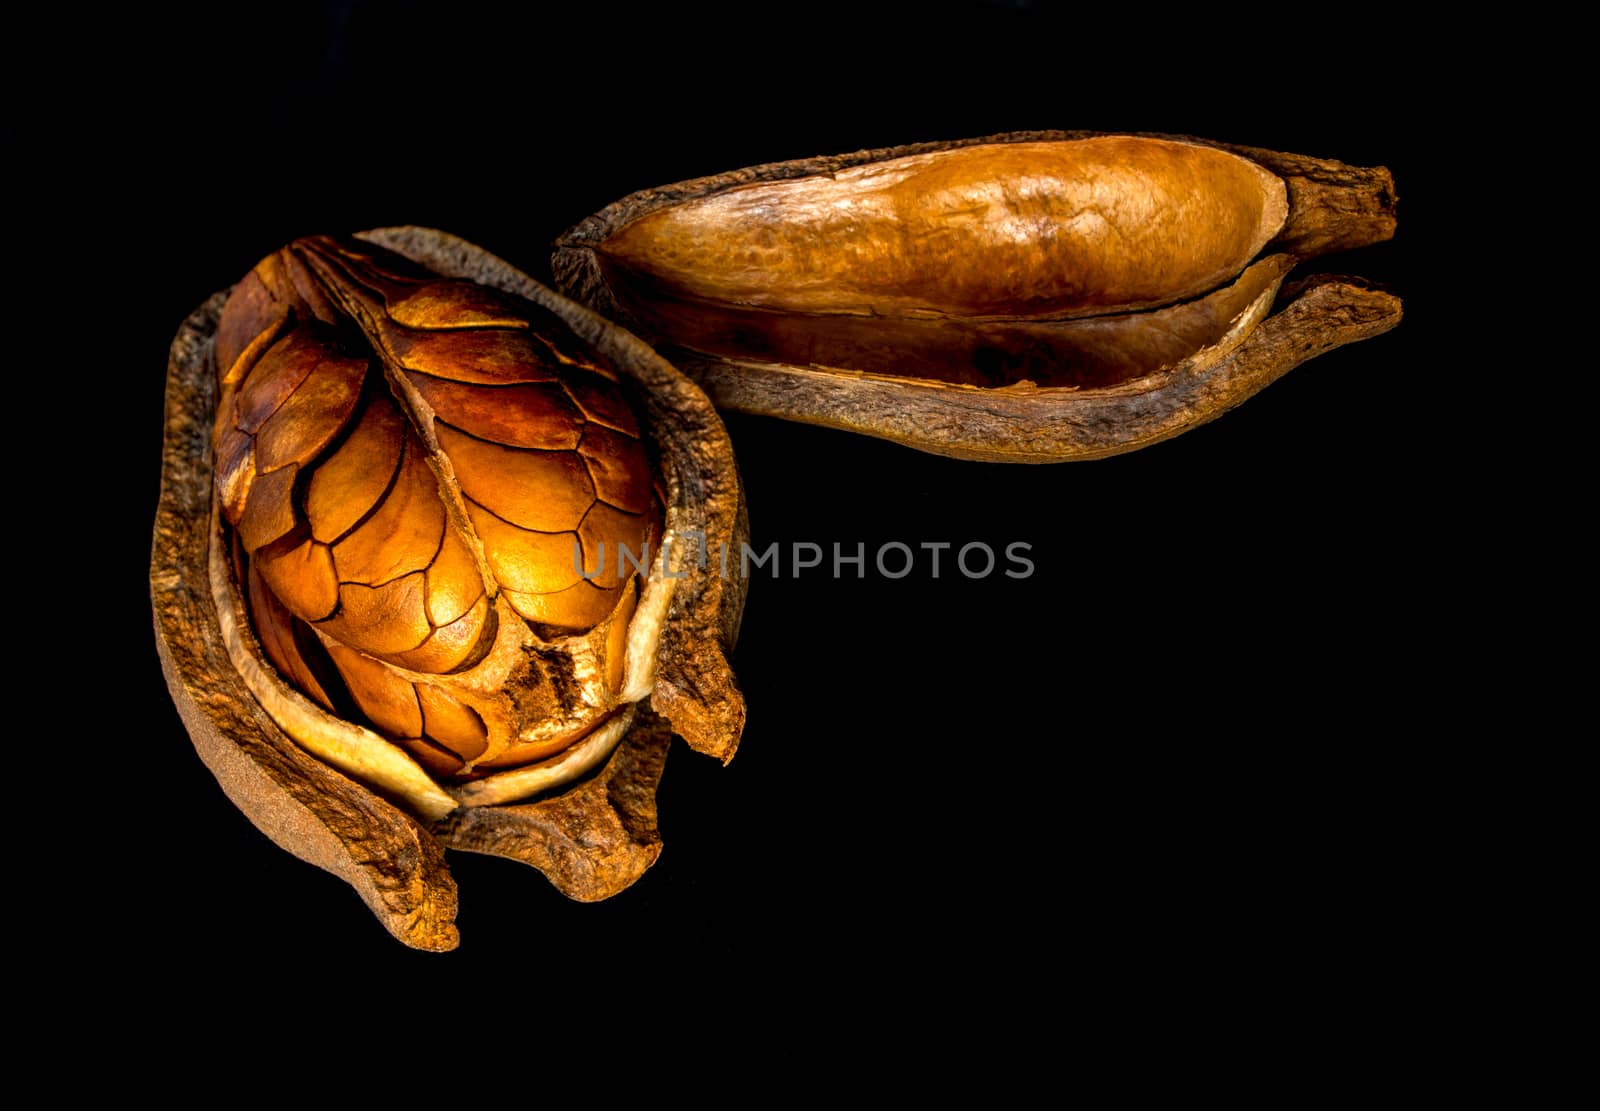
(1035, 380)
(592, 839)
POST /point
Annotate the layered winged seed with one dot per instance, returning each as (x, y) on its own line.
(395, 451)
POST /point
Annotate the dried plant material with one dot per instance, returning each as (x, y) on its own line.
(419, 454)
(1030, 297)
(424, 478)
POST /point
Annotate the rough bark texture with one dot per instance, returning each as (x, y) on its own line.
(1331, 207)
(1027, 424)
(395, 865)
(592, 839)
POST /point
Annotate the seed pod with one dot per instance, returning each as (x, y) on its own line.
(1030, 297)
(450, 550)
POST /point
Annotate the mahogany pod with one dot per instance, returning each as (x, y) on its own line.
(392, 463)
(1028, 297)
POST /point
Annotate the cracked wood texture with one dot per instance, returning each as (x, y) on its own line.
(591, 839)
(1028, 297)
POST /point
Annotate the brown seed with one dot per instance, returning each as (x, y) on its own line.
(1008, 229)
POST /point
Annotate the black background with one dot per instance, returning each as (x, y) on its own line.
(1172, 755)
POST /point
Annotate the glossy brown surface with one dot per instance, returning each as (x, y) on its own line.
(396, 452)
(1025, 229)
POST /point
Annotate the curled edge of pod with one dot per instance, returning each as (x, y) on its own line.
(592, 838)
(1331, 207)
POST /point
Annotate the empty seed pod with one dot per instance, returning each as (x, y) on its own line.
(1029, 297)
(427, 569)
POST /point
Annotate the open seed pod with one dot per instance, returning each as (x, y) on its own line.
(429, 569)
(1028, 297)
